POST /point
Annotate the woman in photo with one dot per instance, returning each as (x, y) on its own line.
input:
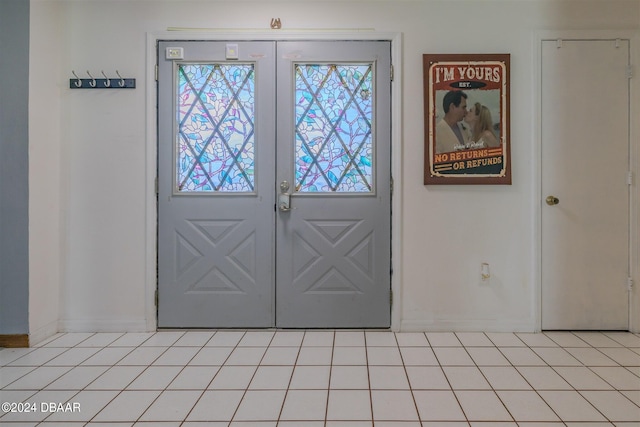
(479, 120)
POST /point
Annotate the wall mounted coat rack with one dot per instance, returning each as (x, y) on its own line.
(105, 83)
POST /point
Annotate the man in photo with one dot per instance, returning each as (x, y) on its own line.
(451, 134)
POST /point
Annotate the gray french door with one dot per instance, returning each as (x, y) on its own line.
(274, 184)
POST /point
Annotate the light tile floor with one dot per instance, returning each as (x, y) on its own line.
(323, 379)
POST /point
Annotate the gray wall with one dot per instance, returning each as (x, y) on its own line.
(14, 167)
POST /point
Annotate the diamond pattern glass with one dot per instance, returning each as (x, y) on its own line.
(333, 128)
(215, 128)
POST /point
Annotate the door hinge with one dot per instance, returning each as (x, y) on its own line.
(155, 299)
(629, 71)
(391, 186)
(630, 178)
(629, 284)
(392, 72)
(156, 72)
(390, 296)
(155, 184)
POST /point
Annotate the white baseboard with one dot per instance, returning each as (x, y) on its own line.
(484, 325)
(42, 333)
(103, 325)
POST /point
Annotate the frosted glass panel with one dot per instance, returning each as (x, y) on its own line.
(215, 128)
(333, 117)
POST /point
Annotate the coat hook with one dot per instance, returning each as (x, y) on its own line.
(92, 83)
(78, 82)
(276, 24)
(107, 82)
(121, 82)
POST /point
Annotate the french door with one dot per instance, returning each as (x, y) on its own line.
(274, 184)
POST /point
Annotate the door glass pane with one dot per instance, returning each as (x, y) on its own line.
(333, 120)
(215, 128)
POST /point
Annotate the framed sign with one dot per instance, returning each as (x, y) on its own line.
(466, 116)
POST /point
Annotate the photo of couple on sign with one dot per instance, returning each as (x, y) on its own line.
(466, 119)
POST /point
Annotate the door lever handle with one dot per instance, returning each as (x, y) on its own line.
(284, 202)
(284, 198)
(552, 200)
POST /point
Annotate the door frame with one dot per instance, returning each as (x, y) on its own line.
(151, 142)
(634, 163)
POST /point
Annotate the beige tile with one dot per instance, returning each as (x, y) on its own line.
(349, 356)
(452, 356)
(233, 378)
(487, 356)
(536, 340)
(318, 339)
(211, 356)
(388, 378)
(177, 356)
(519, 356)
(128, 405)
(582, 378)
(466, 378)
(527, 406)
(543, 378)
(194, 378)
(194, 339)
(116, 378)
(280, 356)
(438, 405)
(556, 356)
(225, 339)
(623, 356)
(287, 339)
(172, 405)
(315, 356)
(474, 339)
(597, 339)
(482, 406)
(256, 339)
(349, 377)
(505, 339)
(384, 356)
(418, 356)
(310, 378)
(271, 378)
(216, 405)
(393, 405)
(443, 339)
(248, 356)
(305, 405)
(347, 405)
(349, 339)
(155, 378)
(260, 405)
(566, 339)
(380, 339)
(571, 406)
(412, 339)
(505, 378)
(591, 357)
(427, 378)
(613, 405)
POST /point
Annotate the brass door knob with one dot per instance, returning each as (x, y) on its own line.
(552, 200)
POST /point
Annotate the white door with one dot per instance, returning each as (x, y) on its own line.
(585, 190)
(274, 205)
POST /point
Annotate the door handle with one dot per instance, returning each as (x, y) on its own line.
(552, 200)
(284, 198)
(284, 202)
